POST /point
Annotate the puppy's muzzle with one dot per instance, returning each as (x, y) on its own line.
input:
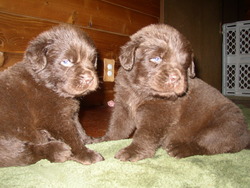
(87, 78)
(173, 77)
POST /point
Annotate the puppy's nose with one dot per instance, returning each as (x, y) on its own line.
(87, 78)
(173, 78)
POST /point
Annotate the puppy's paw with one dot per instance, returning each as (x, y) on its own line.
(54, 151)
(89, 140)
(62, 152)
(96, 140)
(132, 155)
(182, 150)
(88, 157)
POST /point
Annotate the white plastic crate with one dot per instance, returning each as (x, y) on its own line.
(236, 59)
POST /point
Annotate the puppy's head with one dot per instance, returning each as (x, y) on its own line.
(64, 59)
(159, 60)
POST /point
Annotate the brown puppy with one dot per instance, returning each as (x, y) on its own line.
(38, 109)
(158, 97)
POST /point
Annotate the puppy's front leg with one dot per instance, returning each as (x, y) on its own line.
(145, 142)
(148, 136)
(86, 156)
(72, 134)
(80, 152)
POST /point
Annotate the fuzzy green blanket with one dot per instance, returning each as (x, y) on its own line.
(224, 170)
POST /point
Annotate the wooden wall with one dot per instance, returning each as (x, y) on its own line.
(108, 22)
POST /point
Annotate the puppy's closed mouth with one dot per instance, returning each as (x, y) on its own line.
(82, 85)
(86, 79)
(168, 89)
(172, 85)
(166, 93)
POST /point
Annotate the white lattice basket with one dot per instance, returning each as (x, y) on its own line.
(236, 59)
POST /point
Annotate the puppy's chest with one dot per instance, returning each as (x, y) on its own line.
(133, 102)
(164, 112)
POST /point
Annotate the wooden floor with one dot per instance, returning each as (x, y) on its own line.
(95, 119)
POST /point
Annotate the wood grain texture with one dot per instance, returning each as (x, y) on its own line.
(88, 13)
(150, 7)
(11, 59)
(17, 31)
(1, 59)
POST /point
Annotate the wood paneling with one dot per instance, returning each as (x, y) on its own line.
(17, 31)
(150, 7)
(88, 13)
(10, 59)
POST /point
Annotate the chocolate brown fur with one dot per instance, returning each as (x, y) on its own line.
(167, 107)
(38, 109)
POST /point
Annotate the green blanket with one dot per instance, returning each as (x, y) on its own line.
(224, 170)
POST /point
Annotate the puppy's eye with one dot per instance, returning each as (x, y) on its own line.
(66, 63)
(156, 60)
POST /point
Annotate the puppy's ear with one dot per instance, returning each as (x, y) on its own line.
(36, 53)
(191, 70)
(127, 55)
